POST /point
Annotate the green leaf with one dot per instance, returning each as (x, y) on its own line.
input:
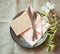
(43, 14)
(51, 32)
(51, 47)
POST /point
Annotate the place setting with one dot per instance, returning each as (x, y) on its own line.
(30, 28)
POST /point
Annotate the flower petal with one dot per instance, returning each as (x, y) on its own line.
(48, 4)
(51, 7)
(45, 9)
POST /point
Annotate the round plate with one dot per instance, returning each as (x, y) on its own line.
(23, 43)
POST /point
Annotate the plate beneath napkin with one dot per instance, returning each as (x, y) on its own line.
(23, 43)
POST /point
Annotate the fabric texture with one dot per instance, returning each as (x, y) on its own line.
(8, 9)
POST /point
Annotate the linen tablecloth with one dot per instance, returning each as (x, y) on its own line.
(8, 9)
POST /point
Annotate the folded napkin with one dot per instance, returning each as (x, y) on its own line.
(41, 26)
(23, 26)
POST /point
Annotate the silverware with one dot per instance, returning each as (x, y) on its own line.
(33, 19)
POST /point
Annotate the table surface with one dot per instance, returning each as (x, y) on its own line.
(7, 12)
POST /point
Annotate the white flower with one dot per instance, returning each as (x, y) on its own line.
(50, 5)
(45, 9)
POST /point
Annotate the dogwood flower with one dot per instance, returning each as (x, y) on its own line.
(50, 5)
(47, 7)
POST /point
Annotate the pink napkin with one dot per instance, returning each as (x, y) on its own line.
(41, 27)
